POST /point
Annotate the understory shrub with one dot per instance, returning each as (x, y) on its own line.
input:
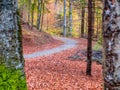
(11, 79)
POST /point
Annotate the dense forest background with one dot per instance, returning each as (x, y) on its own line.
(48, 16)
(60, 44)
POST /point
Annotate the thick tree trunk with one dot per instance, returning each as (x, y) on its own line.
(111, 35)
(64, 23)
(70, 17)
(89, 45)
(82, 21)
(11, 46)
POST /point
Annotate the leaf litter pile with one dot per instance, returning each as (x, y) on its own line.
(58, 72)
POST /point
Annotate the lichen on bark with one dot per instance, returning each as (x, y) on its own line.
(11, 44)
(111, 34)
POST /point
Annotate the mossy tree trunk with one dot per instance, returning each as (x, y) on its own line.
(111, 35)
(12, 63)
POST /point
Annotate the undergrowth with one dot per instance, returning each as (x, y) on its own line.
(11, 79)
(98, 44)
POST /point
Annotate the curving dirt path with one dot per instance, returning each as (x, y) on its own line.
(68, 43)
(58, 72)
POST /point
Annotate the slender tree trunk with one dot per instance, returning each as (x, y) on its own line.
(29, 9)
(39, 15)
(64, 23)
(11, 47)
(56, 2)
(111, 35)
(79, 14)
(70, 17)
(42, 22)
(97, 34)
(82, 21)
(32, 13)
(47, 22)
(42, 15)
(86, 27)
(89, 45)
(98, 25)
(93, 16)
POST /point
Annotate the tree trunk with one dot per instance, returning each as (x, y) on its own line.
(111, 35)
(64, 23)
(29, 9)
(47, 27)
(56, 2)
(42, 22)
(70, 17)
(11, 66)
(93, 16)
(42, 14)
(39, 15)
(82, 21)
(32, 13)
(98, 24)
(97, 32)
(89, 45)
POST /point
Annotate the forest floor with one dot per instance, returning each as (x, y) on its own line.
(34, 41)
(68, 44)
(57, 71)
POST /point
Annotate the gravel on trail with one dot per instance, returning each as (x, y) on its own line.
(68, 44)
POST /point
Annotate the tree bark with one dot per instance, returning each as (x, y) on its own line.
(39, 15)
(64, 23)
(111, 35)
(11, 43)
(32, 13)
(42, 14)
(70, 17)
(82, 21)
(29, 9)
(93, 16)
(89, 45)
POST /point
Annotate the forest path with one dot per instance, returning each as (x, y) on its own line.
(68, 44)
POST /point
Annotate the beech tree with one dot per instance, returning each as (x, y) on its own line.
(111, 35)
(39, 14)
(70, 17)
(12, 75)
(64, 23)
(29, 8)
